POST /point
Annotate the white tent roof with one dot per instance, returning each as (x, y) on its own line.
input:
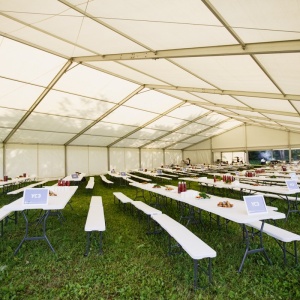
(151, 74)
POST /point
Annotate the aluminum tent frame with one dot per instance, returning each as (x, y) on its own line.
(146, 75)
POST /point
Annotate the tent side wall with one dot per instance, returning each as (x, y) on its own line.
(50, 161)
(243, 138)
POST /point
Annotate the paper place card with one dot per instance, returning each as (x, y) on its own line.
(35, 196)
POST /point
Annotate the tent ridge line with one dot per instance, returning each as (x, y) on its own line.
(225, 92)
(291, 46)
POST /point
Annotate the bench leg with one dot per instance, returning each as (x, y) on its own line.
(285, 251)
(2, 227)
(295, 251)
(70, 204)
(88, 243)
(248, 250)
(207, 272)
(100, 242)
(195, 274)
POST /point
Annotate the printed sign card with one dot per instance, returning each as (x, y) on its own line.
(35, 196)
(292, 185)
(293, 176)
(255, 204)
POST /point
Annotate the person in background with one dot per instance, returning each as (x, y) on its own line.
(188, 161)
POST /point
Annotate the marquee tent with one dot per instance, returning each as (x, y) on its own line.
(144, 82)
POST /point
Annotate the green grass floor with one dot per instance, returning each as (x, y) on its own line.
(135, 265)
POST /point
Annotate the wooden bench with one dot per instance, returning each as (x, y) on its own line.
(188, 241)
(95, 221)
(106, 181)
(281, 236)
(91, 183)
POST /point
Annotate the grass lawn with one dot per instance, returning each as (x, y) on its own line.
(135, 265)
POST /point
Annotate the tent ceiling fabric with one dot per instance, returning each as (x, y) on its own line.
(149, 74)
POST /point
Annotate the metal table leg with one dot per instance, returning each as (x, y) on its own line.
(251, 251)
(32, 238)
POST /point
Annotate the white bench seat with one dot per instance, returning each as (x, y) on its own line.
(130, 180)
(95, 221)
(121, 197)
(188, 241)
(145, 208)
(106, 181)
(280, 235)
(14, 192)
(91, 183)
(139, 177)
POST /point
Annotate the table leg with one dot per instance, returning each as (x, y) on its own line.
(32, 238)
(251, 251)
(292, 206)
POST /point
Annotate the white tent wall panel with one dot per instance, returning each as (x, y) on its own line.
(77, 159)
(131, 159)
(151, 158)
(231, 139)
(201, 146)
(217, 156)
(295, 140)
(1, 161)
(258, 137)
(253, 137)
(173, 157)
(21, 159)
(51, 161)
(117, 159)
(199, 156)
(97, 160)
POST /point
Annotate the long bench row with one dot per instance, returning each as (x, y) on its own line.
(90, 184)
(95, 222)
(188, 241)
(281, 236)
(106, 181)
(39, 183)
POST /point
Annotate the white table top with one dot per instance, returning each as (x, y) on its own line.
(14, 180)
(274, 189)
(237, 213)
(64, 194)
(69, 177)
(118, 175)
